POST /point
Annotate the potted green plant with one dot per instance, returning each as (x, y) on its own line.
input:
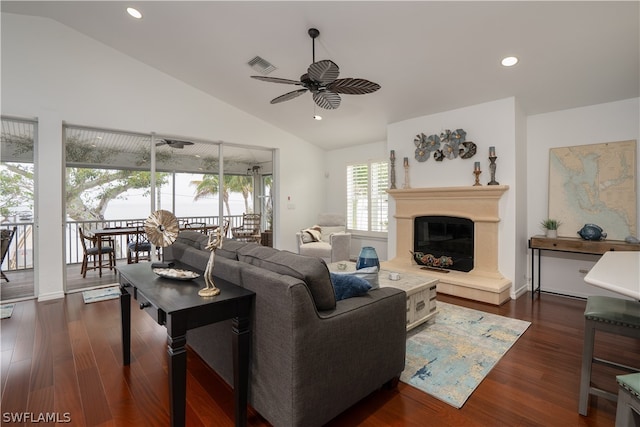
(551, 227)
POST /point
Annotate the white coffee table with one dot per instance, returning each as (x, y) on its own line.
(420, 290)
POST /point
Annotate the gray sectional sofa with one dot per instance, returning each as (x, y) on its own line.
(311, 357)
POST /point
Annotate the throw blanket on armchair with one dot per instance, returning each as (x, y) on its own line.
(313, 234)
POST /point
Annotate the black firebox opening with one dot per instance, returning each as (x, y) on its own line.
(445, 236)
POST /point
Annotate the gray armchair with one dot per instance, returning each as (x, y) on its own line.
(332, 243)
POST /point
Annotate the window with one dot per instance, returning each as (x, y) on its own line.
(367, 208)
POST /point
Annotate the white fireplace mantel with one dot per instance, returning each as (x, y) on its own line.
(477, 203)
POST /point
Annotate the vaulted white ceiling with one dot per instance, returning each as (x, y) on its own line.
(428, 57)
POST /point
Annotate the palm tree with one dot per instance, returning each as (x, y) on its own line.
(209, 185)
(240, 184)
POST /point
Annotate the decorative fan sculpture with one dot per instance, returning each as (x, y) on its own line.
(322, 81)
(162, 228)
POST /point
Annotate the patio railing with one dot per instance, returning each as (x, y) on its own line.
(20, 253)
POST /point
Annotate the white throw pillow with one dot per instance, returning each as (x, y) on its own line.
(312, 234)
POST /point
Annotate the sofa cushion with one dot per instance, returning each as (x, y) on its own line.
(316, 249)
(194, 239)
(227, 269)
(191, 256)
(230, 248)
(313, 271)
(253, 253)
(348, 285)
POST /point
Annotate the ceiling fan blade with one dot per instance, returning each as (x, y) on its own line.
(277, 80)
(289, 95)
(324, 71)
(327, 99)
(174, 143)
(353, 86)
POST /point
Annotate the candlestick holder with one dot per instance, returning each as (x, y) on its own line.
(492, 167)
(406, 177)
(393, 173)
(477, 174)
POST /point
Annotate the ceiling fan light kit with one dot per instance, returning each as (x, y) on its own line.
(321, 79)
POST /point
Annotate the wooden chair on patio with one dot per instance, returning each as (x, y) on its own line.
(249, 231)
(226, 224)
(96, 253)
(196, 226)
(138, 245)
(7, 236)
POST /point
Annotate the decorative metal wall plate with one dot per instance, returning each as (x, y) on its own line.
(448, 145)
(422, 155)
(467, 150)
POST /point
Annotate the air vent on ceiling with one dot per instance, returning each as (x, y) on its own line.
(261, 65)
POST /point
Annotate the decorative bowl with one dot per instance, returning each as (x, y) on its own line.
(176, 273)
(430, 260)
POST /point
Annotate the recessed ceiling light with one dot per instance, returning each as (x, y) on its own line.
(134, 12)
(509, 61)
(317, 117)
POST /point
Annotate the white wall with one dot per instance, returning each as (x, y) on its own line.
(615, 121)
(521, 250)
(336, 162)
(488, 124)
(56, 74)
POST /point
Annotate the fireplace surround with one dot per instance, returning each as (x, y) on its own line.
(479, 204)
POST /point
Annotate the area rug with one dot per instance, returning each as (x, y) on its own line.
(102, 294)
(6, 310)
(449, 356)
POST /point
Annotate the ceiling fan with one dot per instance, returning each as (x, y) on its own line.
(322, 81)
(174, 143)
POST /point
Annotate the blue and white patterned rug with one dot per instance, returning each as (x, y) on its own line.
(101, 294)
(449, 356)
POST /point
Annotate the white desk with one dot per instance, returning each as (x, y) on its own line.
(617, 271)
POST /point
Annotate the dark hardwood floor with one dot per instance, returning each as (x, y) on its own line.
(64, 357)
(21, 282)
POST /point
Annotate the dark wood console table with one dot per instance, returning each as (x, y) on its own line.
(177, 305)
(574, 245)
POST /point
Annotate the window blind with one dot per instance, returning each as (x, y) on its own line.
(366, 196)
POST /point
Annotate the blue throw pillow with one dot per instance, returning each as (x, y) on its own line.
(347, 286)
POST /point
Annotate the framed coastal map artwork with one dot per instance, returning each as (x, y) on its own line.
(594, 184)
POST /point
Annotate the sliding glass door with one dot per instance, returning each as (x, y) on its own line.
(17, 207)
(115, 177)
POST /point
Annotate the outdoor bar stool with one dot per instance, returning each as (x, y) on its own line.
(613, 315)
(628, 410)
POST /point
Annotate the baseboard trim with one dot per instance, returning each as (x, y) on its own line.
(50, 296)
